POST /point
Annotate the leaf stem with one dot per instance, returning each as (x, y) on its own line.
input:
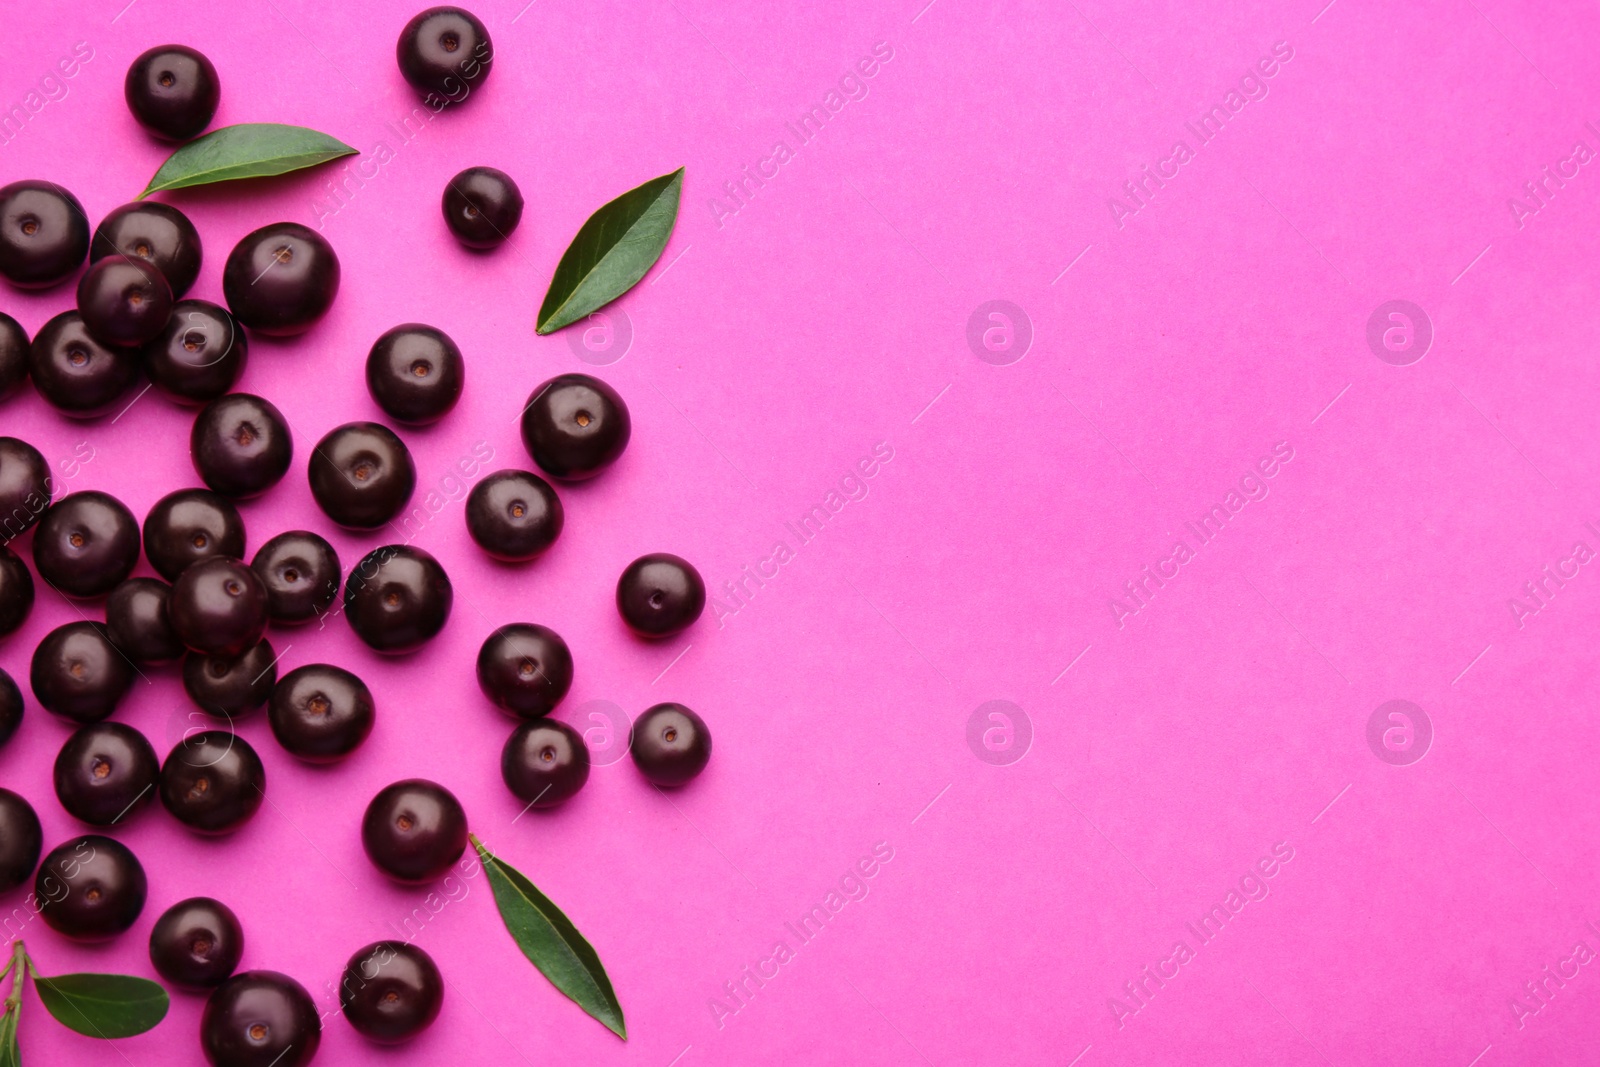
(18, 965)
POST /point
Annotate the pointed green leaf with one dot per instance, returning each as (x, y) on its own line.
(249, 150)
(612, 251)
(552, 943)
(10, 1054)
(103, 1005)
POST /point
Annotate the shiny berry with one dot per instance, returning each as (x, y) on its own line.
(320, 713)
(482, 207)
(24, 487)
(90, 888)
(190, 525)
(86, 543)
(301, 572)
(124, 302)
(362, 475)
(444, 52)
(44, 234)
(525, 669)
(281, 279)
(157, 233)
(218, 607)
(138, 624)
(16, 592)
(200, 354)
(241, 445)
(21, 840)
(13, 355)
(260, 1019)
(172, 91)
(415, 374)
(544, 762)
(76, 374)
(78, 673)
(574, 426)
(11, 710)
(514, 515)
(231, 687)
(213, 782)
(106, 773)
(397, 598)
(391, 991)
(660, 595)
(414, 830)
(196, 944)
(670, 744)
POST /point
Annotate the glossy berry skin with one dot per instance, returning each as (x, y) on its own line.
(260, 1019)
(190, 525)
(21, 840)
(231, 687)
(16, 592)
(544, 762)
(106, 773)
(660, 595)
(321, 713)
(241, 445)
(24, 487)
(514, 515)
(362, 475)
(218, 607)
(11, 710)
(200, 354)
(78, 674)
(444, 52)
(390, 992)
(196, 944)
(525, 669)
(172, 91)
(86, 543)
(397, 598)
(301, 573)
(138, 624)
(13, 355)
(414, 830)
(574, 426)
(44, 234)
(670, 744)
(157, 233)
(415, 374)
(76, 374)
(279, 280)
(90, 888)
(213, 782)
(482, 207)
(124, 302)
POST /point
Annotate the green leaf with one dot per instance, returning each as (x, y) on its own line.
(249, 150)
(612, 251)
(10, 1054)
(103, 1005)
(552, 943)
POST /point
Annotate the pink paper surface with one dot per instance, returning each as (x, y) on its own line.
(1170, 733)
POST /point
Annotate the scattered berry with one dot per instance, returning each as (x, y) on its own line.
(190, 525)
(21, 840)
(415, 374)
(106, 773)
(514, 515)
(301, 572)
(231, 687)
(482, 207)
(138, 624)
(44, 234)
(397, 598)
(544, 762)
(260, 1019)
(670, 744)
(213, 782)
(196, 944)
(90, 888)
(78, 673)
(362, 475)
(391, 991)
(173, 91)
(218, 607)
(320, 713)
(241, 445)
(124, 302)
(525, 669)
(414, 830)
(200, 354)
(574, 426)
(660, 595)
(76, 374)
(157, 233)
(279, 280)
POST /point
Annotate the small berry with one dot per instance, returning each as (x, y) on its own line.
(218, 607)
(444, 52)
(231, 687)
(124, 302)
(320, 713)
(279, 280)
(391, 991)
(660, 595)
(397, 598)
(260, 1019)
(190, 525)
(78, 674)
(44, 234)
(482, 207)
(301, 572)
(173, 91)
(574, 426)
(200, 354)
(415, 374)
(106, 773)
(213, 782)
(76, 374)
(544, 762)
(90, 888)
(414, 830)
(514, 515)
(197, 944)
(86, 543)
(157, 233)
(670, 744)
(138, 624)
(362, 475)
(241, 445)
(525, 669)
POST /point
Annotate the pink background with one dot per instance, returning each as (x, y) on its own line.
(772, 348)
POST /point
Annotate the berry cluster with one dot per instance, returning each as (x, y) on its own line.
(211, 608)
